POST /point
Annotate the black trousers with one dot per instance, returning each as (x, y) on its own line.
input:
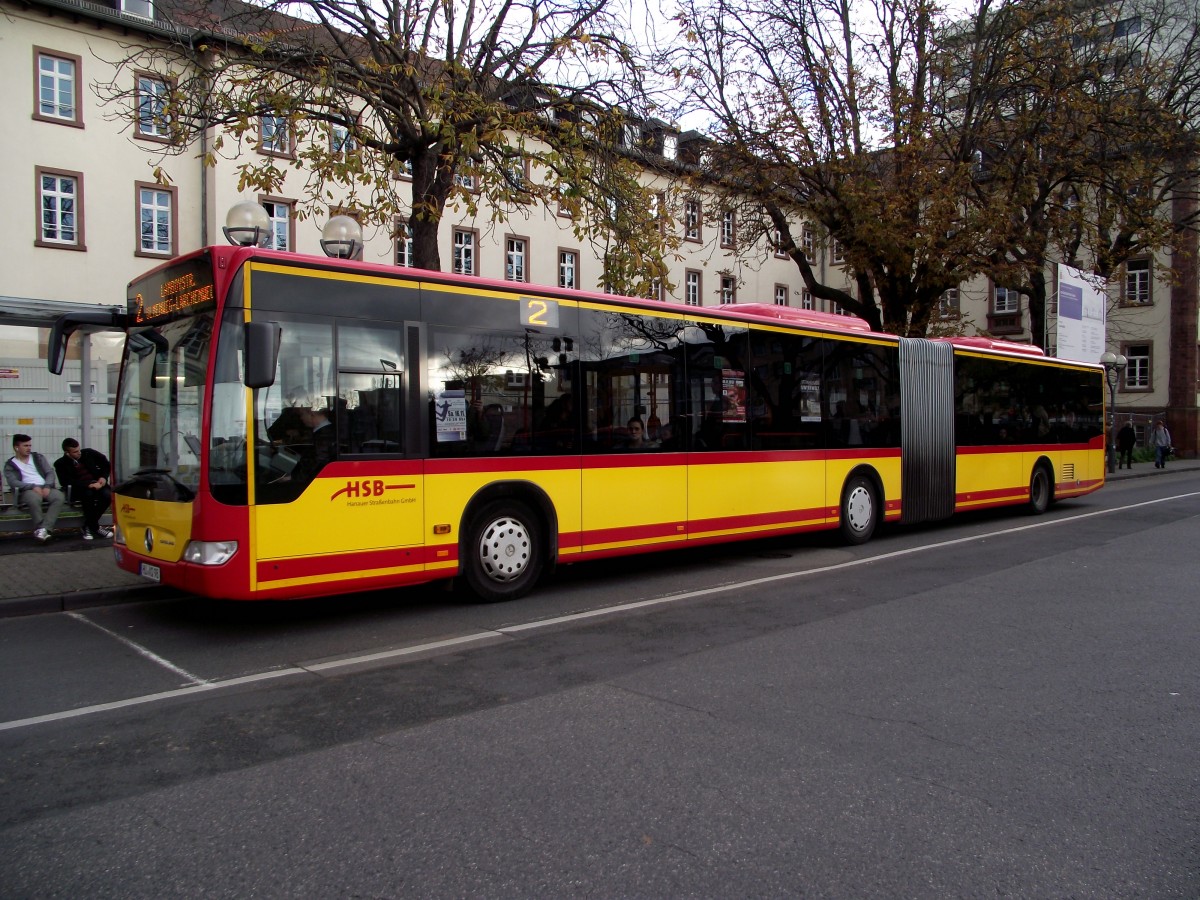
(94, 504)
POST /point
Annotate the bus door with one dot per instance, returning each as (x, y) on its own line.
(338, 492)
(634, 486)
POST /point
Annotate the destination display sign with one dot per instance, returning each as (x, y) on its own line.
(173, 291)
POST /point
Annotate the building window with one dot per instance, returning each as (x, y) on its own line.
(276, 136)
(151, 106)
(156, 220)
(1137, 282)
(777, 244)
(464, 251)
(404, 244)
(838, 254)
(342, 141)
(282, 233)
(1005, 301)
(57, 88)
(516, 177)
(466, 182)
(670, 148)
(568, 269)
(806, 243)
(658, 211)
(402, 169)
(143, 8)
(781, 295)
(516, 261)
(691, 220)
(691, 287)
(654, 290)
(728, 229)
(728, 289)
(60, 209)
(948, 304)
(1137, 369)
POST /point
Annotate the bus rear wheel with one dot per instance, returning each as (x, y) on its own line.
(860, 510)
(504, 550)
(1040, 492)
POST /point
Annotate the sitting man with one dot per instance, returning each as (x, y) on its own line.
(85, 471)
(31, 479)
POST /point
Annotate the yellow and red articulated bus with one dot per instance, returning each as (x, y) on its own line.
(290, 426)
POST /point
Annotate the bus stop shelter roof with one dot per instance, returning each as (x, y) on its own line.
(31, 313)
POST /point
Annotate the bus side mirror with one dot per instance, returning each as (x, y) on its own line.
(262, 352)
(66, 325)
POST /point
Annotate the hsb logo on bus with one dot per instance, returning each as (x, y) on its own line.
(367, 488)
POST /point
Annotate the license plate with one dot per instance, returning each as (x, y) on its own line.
(148, 571)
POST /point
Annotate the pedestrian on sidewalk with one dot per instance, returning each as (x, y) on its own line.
(85, 472)
(1160, 440)
(1126, 438)
(31, 478)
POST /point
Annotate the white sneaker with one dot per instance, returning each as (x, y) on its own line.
(88, 536)
(41, 535)
(103, 532)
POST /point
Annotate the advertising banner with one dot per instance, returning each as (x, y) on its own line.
(1082, 308)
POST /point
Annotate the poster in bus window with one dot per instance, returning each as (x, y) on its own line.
(810, 400)
(450, 416)
(733, 390)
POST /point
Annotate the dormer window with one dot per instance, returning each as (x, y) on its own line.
(143, 8)
(670, 146)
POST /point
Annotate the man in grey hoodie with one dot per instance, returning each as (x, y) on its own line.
(31, 478)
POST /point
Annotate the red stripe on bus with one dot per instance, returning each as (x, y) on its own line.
(1009, 492)
(268, 570)
(788, 517)
(654, 531)
(477, 465)
(1024, 448)
(372, 468)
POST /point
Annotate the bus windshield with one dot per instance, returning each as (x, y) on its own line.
(157, 427)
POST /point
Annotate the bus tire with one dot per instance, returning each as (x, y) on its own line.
(860, 510)
(1041, 493)
(504, 551)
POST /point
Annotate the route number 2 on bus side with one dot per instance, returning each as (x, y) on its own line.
(538, 313)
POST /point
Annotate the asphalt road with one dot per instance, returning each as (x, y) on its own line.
(999, 706)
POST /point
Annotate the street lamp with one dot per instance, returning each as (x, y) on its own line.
(247, 225)
(342, 238)
(1114, 364)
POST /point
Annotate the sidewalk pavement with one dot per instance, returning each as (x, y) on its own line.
(69, 573)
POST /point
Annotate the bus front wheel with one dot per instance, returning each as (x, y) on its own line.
(860, 510)
(1040, 492)
(503, 552)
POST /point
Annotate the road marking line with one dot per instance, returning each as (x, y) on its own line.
(208, 686)
(148, 698)
(140, 650)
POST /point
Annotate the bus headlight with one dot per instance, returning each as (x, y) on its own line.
(118, 534)
(209, 553)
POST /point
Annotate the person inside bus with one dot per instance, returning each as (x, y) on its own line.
(485, 426)
(711, 433)
(635, 436)
(559, 425)
(322, 443)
